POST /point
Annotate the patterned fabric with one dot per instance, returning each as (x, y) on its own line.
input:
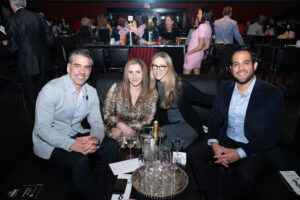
(144, 53)
(116, 109)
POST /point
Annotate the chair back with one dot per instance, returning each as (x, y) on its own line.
(118, 57)
(287, 59)
(103, 84)
(98, 57)
(103, 35)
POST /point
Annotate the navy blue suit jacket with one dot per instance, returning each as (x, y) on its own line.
(263, 121)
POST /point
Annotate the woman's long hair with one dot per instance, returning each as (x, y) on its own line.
(102, 21)
(173, 25)
(145, 92)
(172, 85)
(207, 15)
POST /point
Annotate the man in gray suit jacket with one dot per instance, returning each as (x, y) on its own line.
(58, 135)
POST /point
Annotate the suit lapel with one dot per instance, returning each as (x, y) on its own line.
(227, 97)
(254, 99)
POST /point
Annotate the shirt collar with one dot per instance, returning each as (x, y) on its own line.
(19, 8)
(74, 91)
(227, 17)
(248, 91)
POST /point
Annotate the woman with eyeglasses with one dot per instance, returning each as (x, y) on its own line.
(174, 110)
(129, 105)
(199, 42)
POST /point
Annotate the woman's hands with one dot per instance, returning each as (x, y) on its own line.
(115, 132)
(125, 129)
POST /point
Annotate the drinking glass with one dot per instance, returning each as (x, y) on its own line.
(177, 145)
(141, 170)
(141, 163)
(130, 143)
(165, 157)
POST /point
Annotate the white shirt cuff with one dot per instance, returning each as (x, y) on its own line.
(241, 153)
(212, 140)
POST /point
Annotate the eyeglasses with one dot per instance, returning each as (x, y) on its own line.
(161, 67)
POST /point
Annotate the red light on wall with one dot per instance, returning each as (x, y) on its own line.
(147, 6)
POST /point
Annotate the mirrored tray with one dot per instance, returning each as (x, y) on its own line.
(181, 181)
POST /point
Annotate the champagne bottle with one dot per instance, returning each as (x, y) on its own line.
(155, 129)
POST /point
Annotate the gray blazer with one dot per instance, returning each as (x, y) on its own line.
(54, 114)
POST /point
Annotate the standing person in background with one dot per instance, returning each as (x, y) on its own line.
(174, 107)
(129, 105)
(28, 35)
(169, 31)
(225, 29)
(103, 23)
(199, 42)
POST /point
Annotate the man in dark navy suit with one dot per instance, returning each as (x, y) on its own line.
(244, 127)
(29, 35)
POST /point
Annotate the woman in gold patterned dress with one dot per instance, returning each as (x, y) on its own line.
(129, 105)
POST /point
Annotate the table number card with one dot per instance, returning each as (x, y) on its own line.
(179, 157)
(292, 179)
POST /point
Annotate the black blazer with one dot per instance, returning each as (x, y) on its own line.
(263, 121)
(29, 35)
(190, 95)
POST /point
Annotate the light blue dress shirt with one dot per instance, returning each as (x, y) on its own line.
(225, 29)
(236, 117)
(80, 106)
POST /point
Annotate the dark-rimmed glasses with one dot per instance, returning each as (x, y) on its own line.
(160, 67)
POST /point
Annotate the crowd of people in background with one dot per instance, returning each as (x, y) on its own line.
(170, 28)
(264, 26)
(200, 34)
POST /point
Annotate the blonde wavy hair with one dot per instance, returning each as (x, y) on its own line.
(173, 84)
(145, 91)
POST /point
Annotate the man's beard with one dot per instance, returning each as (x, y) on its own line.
(248, 78)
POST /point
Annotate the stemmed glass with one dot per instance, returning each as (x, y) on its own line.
(130, 143)
(165, 160)
(177, 145)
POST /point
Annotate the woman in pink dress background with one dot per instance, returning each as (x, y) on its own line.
(199, 41)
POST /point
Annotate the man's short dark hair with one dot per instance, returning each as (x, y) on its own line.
(245, 48)
(227, 10)
(82, 52)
